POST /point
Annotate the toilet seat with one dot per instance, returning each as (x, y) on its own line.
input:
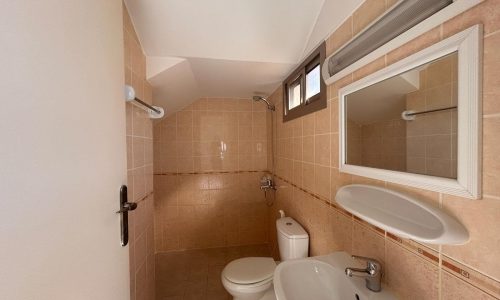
(254, 271)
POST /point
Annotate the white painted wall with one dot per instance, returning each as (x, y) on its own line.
(62, 150)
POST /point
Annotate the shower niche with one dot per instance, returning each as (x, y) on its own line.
(417, 122)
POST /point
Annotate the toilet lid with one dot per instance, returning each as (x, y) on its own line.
(249, 270)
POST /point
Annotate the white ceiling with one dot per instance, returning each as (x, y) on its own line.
(382, 101)
(228, 48)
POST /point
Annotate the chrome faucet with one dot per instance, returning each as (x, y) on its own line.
(267, 183)
(372, 273)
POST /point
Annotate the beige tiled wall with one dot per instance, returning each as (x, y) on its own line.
(309, 178)
(208, 159)
(432, 138)
(384, 145)
(355, 142)
(139, 169)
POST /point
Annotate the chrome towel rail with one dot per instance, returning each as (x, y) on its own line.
(154, 112)
(409, 115)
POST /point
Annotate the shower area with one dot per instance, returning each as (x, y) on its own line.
(208, 162)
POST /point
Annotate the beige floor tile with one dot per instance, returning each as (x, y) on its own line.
(196, 274)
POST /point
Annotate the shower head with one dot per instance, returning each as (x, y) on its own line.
(260, 98)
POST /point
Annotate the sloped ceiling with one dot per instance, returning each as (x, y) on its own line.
(228, 48)
(382, 101)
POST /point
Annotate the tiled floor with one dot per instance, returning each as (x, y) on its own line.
(195, 274)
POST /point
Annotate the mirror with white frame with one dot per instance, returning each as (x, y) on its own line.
(417, 122)
(407, 122)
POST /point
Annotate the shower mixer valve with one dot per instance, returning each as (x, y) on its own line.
(266, 183)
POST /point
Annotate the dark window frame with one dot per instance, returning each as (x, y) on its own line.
(314, 103)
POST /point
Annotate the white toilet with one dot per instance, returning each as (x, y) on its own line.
(251, 278)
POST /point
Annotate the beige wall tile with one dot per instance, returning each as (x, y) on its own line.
(440, 167)
(481, 218)
(491, 148)
(297, 173)
(409, 276)
(322, 120)
(415, 146)
(215, 104)
(369, 68)
(439, 72)
(185, 133)
(139, 122)
(308, 176)
(308, 149)
(297, 148)
(365, 180)
(440, 95)
(491, 74)
(148, 92)
(457, 289)
(486, 13)
(367, 13)
(341, 36)
(322, 149)
(322, 181)
(339, 180)
(438, 146)
(366, 242)
(341, 227)
(334, 87)
(334, 150)
(421, 42)
(334, 104)
(185, 118)
(148, 152)
(308, 123)
(138, 152)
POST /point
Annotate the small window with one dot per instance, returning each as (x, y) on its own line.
(313, 81)
(295, 93)
(304, 90)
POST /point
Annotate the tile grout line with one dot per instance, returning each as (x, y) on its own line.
(440, 275)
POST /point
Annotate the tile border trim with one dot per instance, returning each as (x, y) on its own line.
(208, 172)
(478, 280)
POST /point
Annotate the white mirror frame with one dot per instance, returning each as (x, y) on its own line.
(468, 44)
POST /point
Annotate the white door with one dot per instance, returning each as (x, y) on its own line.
(62, 150)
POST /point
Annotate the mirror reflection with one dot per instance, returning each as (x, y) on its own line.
(408, 122)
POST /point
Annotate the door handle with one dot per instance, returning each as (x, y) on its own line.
(125, 207)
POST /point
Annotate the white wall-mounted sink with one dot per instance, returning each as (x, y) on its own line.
(323, 278)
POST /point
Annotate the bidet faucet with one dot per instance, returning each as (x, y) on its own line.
(372, 273)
